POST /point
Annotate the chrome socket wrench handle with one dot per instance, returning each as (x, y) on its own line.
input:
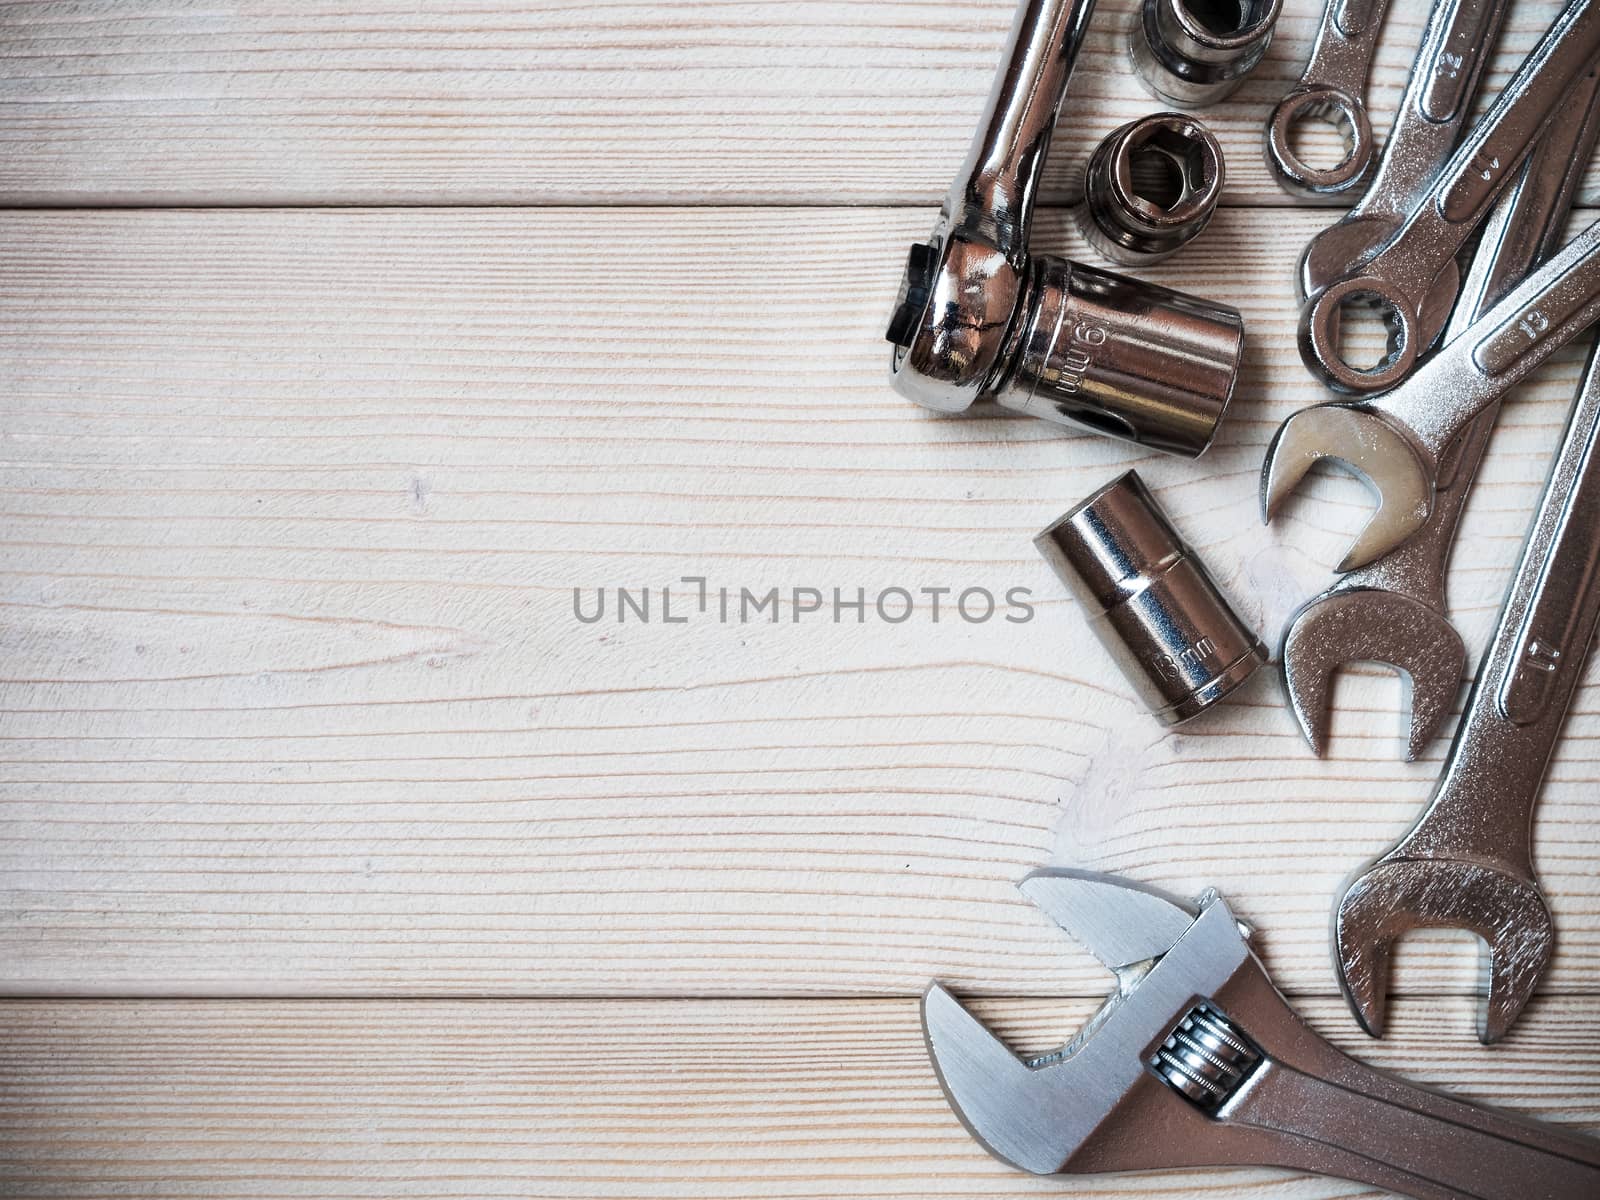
(979, 316)
(1414, 275)
(1129, 220)
(1468, 861)
(1334, 83)
(1191, 53)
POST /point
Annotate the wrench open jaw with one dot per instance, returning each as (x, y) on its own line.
(1371, 624)
(1377, 450)
(1401, 892)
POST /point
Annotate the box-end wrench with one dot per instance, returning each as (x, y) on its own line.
(1334, 83)
(1400, 442)
(1394, 610)
(1450, 61)
(1414, 276)
(1197, 1060)
(1468, 861)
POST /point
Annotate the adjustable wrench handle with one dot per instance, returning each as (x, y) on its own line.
(1343, 1118)
(1484, 800)
(995, 190)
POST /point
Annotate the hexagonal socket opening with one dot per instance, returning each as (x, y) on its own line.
(1168, 170)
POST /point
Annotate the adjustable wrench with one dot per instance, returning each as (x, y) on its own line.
(1394, 610)
(1335, 79)
(1414, 275)
(1468, 861)
(1444, 79)
(1197, 1060)
(1400, 442)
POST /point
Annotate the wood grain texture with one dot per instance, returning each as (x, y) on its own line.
(549, 102)
(294, 699)
(611, 1101)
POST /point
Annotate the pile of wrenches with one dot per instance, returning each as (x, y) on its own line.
(1196, 1043)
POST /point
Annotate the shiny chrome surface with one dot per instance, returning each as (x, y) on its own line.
(1393, 610)
(1191, 53)
(1413, 276)
(1151, 601)
(1150, 188)
(980, 316)
(1468, 861)
(1276, 1094)
(1333, 85)
(1455, 46)
(1401, 443)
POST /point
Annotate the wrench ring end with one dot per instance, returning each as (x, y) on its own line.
(1308, 103)
(1319, 337)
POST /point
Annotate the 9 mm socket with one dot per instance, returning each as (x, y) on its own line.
(1150, 188)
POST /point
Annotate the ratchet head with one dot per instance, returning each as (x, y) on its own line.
(1372, 448)
(1047, 1114)
(1398, 893)
(1372, 625)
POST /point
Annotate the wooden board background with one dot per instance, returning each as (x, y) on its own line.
(341, 342)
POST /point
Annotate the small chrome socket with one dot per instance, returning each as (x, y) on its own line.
(1192, 53)
(1150, 188)
(1150, 601)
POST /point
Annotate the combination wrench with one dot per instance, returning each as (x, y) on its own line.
(1394, 610)
(1334, 82)
(1449, 65)
(1468, 861)
(1413, 277)
(1400, 442)
(1197, 1060)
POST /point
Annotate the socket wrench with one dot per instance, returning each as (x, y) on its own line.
(978, 316)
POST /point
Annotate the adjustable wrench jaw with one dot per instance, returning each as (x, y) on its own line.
(1401, 892)
(1101, 1103)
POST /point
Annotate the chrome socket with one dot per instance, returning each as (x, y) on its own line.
(1191, 53)
(1151, 601)
(1150, 188)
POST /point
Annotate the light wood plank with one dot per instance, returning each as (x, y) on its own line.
(512, 101)
(603, 1100)
(294, 701)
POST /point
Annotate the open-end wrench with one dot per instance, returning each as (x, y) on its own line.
(1394, 609)
(1413, 276)
(1400, 442)
(1468, 861)
(1450, 60)
(1197, 1060)
(1334, 82)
